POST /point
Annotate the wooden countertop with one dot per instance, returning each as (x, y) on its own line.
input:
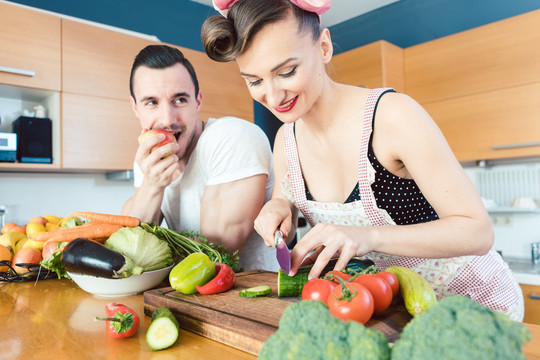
(56, 318)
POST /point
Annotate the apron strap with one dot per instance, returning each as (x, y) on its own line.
(366, 194)
(295, 173)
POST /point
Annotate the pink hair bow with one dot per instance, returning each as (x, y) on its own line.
(317, 6)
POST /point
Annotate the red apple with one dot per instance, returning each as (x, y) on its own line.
(38, 219)
(169, 138)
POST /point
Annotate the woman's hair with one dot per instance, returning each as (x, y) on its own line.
(161, 57)
(226, 38)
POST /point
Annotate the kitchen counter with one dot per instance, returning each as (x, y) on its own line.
(55, 318)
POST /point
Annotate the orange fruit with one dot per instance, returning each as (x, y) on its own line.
(7, 227)
(5, 254)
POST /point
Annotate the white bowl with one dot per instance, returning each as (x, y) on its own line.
(132, 285)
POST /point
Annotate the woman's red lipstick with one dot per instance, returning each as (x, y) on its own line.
(290, 105)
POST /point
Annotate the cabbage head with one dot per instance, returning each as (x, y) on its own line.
(145, 249)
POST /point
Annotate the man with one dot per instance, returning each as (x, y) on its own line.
(218, 175)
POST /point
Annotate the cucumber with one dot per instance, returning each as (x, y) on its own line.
(164, 329)
(416, 291)
(292, 285)
(256, 291)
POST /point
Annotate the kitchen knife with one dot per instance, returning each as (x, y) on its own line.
(282, 253)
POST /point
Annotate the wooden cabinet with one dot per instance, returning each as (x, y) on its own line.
(98, 133)
(482, 86)
(379, 64)
(531, 295)
(29, 41)
(99, 128)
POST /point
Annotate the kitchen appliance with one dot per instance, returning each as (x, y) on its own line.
(282, 252)
(34, 139)
(8, 147)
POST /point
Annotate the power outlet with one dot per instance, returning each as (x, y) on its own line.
(502, 220)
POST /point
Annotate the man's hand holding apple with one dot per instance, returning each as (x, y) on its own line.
(157, 158)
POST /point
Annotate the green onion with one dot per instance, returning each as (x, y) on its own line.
(188, 242)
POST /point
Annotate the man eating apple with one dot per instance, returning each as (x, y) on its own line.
(211, 177)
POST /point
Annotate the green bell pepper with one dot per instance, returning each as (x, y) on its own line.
(195, 270)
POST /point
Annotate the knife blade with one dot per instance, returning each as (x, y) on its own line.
(282, 252)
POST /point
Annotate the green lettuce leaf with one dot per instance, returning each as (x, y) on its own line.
(145, 249)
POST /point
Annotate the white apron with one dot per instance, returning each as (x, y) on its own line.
(485, 279)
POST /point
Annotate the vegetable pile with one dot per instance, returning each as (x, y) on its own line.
(454, 328)
(308, 331)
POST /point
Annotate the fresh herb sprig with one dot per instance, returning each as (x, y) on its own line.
(188, 242)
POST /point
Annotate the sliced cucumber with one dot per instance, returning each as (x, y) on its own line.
(292, 285)
(256, 291)
(163, 331)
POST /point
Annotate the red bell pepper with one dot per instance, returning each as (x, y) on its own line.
(121, 320)
(223, 281)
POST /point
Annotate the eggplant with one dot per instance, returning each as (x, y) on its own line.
(87, 257)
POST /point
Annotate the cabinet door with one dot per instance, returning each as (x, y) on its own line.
(98, 133)
(481, 126)
(29, 41)
(379, 64)
(531, 296)
(97, 61)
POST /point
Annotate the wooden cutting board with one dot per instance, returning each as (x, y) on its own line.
(246, 323)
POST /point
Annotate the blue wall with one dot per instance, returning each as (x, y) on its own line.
(411, 22)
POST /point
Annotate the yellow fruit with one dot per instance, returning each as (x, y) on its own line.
(19, 245)
(33, 229)
(53, 219)
(5, 254)
(50, 226)
(11, 239)
(38, 245)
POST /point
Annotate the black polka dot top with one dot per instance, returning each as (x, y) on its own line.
(401, 198)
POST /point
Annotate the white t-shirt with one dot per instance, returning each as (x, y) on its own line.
(228, 149)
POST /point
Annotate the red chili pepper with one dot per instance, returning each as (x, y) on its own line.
(223, 281)
(121, 321)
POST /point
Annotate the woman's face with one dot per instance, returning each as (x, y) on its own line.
(284, 70)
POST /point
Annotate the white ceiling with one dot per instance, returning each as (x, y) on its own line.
(341, 10)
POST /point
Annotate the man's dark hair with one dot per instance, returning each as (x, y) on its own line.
(161, 57)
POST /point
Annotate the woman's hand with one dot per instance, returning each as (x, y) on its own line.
(275, 215)
(330, 241)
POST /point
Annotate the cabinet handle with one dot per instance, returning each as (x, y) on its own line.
(17, 71)
(534, 296)
(518, 145)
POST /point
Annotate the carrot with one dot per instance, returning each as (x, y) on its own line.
(91, 230)
(123, 220)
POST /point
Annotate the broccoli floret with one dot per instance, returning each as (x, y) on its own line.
(459, 328)
(308, 331)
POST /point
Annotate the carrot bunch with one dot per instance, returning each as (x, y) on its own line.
(98, 229)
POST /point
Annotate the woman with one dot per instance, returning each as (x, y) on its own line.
(411, 202)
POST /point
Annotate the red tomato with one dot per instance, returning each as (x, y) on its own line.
(391, 279)
(318, 289)
(358, 308)
(338, 273)
(379, 289)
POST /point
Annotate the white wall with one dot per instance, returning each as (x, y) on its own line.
(39, 194)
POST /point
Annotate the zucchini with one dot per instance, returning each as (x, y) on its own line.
(292, 285)
(416, 291)
(164, 329)
(87, 257)
(256, 291)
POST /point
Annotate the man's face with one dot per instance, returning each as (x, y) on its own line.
(165, 99)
